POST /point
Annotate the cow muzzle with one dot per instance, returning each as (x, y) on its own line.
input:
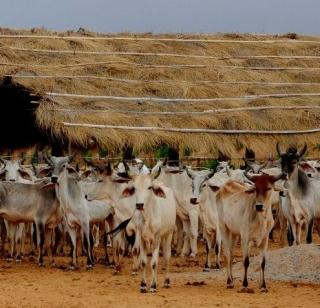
(54, 179)
(194, 201)
(259, 207)
(139, 206)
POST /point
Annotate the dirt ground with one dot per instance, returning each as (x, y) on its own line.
(27, 285)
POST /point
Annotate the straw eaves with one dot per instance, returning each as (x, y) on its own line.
(85, 110)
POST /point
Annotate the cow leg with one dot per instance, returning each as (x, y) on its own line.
(186, 238)
(166, 248)
(34, 241)
(19, 240)
(208, 243)
(87, 244)
(96, 235)
(154, 267)
(3, 234)
(228, 244)
(40, 240)
(48, 241)
(194, 225)
(246, 262)
(73, 236)
(283, 227)
(179, 238)
(105, 244)
(264, 246)
(309, 228)
(298, 233)
(136, 253)
(291, 233)
(143, 261)
(11, 235)
(217, 249)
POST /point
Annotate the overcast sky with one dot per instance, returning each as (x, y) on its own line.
(268, 16)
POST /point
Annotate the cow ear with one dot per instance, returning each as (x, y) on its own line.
(2, 175)
(25, 175)
(250, 190)
(158, 191)
(44, 172)
(72, 170)
(214, 188)
(128, 192)
(121, 180)
(86, 174)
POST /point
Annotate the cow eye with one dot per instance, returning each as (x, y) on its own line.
(269, 188)
(204, 185)
(150, 187)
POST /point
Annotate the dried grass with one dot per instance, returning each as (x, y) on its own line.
(201, 144)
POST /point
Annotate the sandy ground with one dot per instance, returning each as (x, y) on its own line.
(27, 285)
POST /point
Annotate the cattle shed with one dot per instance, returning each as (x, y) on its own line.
(145, 91)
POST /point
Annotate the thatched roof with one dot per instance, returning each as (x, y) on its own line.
(184, 83)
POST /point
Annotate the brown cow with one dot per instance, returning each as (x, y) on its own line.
(245, 211)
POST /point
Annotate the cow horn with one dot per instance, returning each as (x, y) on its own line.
(247, 175)
(282, 175)
(210, 175)
(278, 148)
(3, 161)
(34, 168)
(189, 173)
(71, 157)
(156, 175)
(228, 171)
(109, 168)
(263, 166)
(47, 159)
(303, 151)
(165, 162)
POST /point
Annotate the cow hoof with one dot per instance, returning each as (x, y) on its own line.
(192, 255)
(143, 289)
(71, 268)
(134, 273)
(153, 290)
(246, 290)
(18, 260)
(53, 265)
(9, 259)
(41, 264)
(89, 267)
(206, 270)
(230, 286)
(264, 290)
(115, 272)
(167, 285)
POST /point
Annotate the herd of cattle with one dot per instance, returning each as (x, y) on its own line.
(144, 211)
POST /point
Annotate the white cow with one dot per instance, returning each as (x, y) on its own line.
(13, 171)
(155, 219)
(205, 198)
(73, 203)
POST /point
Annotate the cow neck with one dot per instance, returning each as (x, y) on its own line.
(298, 182)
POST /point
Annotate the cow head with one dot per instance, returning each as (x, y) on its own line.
(199, 180)
(12, 170)
(222, 166)
(289, 160)
(58, 165)
(100, 166)
(262, 188)
(255, 166)
(144, 188)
